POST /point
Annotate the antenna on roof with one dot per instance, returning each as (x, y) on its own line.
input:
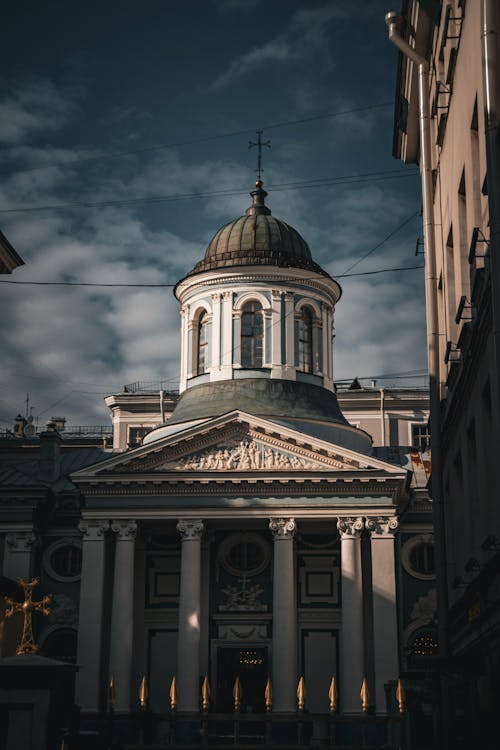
(260, 144)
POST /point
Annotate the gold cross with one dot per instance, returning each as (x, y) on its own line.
(28, 645)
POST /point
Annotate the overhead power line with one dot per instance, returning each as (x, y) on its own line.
(320, 182)
(166, 286)
(201, 139)
(379, 244)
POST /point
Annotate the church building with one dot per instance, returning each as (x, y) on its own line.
(249, 530)
(252, 533)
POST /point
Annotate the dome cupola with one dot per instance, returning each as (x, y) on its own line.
(257, 239)
(257, 306)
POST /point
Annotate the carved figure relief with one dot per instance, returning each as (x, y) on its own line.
(243, 598)
(246, 456)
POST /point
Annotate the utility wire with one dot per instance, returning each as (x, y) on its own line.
(202, 139)
(166, 286)
(391, 234)
(298, 185)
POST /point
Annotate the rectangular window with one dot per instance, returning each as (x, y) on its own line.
(403, 114)
(136, 435)
(421, 437)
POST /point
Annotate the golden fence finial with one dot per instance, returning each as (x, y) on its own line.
(400, 696)
(111, 693)
(268, 695)
(237, 694)
(365, 696)
(173, 694)
(205, 694)
(28, 644)
(143, 694)
(301, 694)
(332, 696)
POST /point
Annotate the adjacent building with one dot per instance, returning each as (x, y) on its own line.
(455, 46)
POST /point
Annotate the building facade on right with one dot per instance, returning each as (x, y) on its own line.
(447, 121)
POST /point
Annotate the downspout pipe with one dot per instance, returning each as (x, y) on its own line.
(162, 406)
(490, 41)
(392, 20)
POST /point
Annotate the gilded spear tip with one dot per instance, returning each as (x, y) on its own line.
(268, 695)
(173, 694)
(205, 694)
(143, 694)
(111, 692)
(365, 696)
(400, 696)
(332, 696)
(237, 694)
(301, 694)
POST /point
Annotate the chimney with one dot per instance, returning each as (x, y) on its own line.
(49, 462)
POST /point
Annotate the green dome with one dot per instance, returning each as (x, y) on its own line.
(256, 239)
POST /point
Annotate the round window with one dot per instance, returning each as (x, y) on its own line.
(244, 554)
(422, 558)
(417, 556)
(63, 560)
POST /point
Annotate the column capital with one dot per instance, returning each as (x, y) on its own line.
(382, 526)
(283, 528)
(276, 293)
(228, 295)
(93, 530)
(190, 530)
(350, 528)
(216, 296)
(21, 541)
(124, 530)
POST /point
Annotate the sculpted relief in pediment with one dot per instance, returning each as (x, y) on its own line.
(248, 455)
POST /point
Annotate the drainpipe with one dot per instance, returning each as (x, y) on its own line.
(392, 21)
(490, 34)
(382, 416)
(162, 406)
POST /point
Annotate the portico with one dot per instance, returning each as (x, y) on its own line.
(279, 584)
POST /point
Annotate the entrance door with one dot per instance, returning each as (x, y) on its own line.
(251, 666)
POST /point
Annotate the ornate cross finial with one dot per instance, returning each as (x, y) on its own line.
(28, 645)
(260, 145)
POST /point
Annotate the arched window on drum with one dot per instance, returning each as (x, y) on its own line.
(252, 335)
(202, 344)
(306, 340)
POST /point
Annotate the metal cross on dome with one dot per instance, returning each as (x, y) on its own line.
(260, 145)
(28, 644)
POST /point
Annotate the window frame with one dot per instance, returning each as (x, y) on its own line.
(202, 324)
(252, 363)
(47, 556)
(303, 366)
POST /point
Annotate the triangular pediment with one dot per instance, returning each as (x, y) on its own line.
(237, 443)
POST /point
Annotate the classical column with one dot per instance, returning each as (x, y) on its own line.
(284, 676)
(188, 649)
(88, 678)
(276, 361)
(17, 554)
(122, 612)
(216, 334)
(227, 344)
(289, 332)
(385, 624)
(184, 347)
(352, 657)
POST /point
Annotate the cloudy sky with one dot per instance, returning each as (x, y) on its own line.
(124, 132)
